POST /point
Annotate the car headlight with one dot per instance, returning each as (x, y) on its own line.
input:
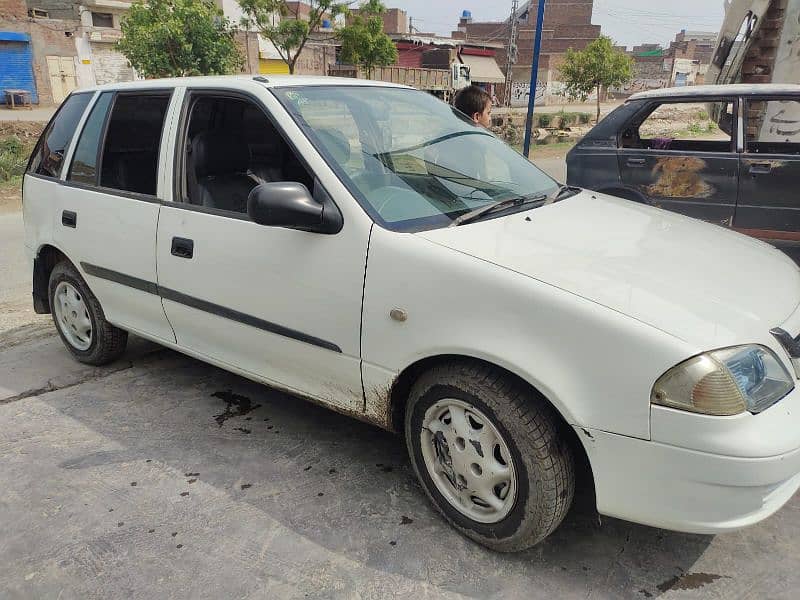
(725, 382)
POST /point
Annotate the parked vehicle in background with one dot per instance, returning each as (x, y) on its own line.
(738, 167)
(367, 247)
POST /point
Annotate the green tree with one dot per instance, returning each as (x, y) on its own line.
(283, 24)
(599, 65)
(363, 41)
(174, 38)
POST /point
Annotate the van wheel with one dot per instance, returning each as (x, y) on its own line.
(80, 320)
(488, 453)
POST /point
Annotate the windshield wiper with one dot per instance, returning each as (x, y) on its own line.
(478, 213)
(564, 191)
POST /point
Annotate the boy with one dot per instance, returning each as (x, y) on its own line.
(476, 104)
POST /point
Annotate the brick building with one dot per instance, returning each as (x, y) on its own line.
(68, 45)
(567, 24)
(395, 20)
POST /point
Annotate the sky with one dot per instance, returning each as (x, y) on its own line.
(628, 22)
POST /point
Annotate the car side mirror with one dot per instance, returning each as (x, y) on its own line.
(290, 204)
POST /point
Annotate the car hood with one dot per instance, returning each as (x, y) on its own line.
(696, 281)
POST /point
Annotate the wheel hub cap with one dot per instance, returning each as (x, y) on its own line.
(72, 316)
(468, 460)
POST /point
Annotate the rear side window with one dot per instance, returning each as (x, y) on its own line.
(84, 163)
(129, 160)
(773, 127)
(48, 156)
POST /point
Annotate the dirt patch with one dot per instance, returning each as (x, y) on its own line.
(25, 130)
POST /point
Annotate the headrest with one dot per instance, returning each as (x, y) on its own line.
(219, 152)
(336, 143)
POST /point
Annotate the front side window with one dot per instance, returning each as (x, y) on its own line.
(773, 127)
(129, 158)
(412, 161)
(48, 156)
(84, 163)
(688, 126)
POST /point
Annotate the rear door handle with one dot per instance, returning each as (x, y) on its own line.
(182, 247)
(636, 162)
(69, 219)
(760, 168)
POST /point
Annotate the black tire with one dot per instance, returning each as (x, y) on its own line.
(108, 342)
(543, 459)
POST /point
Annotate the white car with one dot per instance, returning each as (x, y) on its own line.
(366, 247)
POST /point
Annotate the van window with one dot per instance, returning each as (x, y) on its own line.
(129, 159)
(48, 156)
(84, 163)
(773, 127)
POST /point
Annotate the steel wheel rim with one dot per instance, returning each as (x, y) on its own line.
(72, 316)
(468, 460)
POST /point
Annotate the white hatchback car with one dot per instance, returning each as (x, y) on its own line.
(366, 247)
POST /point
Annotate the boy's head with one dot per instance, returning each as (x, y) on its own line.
(476, 104)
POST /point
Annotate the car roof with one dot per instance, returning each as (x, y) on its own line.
(242, 81)
(736, 89)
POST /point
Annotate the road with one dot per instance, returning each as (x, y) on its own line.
(162, 477)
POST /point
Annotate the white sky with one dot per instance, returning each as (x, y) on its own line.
(628, 22)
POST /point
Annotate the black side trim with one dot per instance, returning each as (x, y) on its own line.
(121, 278)
(209, 307)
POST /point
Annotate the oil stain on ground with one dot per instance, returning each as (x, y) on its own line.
(689, 581)
(236, 405)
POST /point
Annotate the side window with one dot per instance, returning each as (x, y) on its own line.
(48, 156)
(689, 126)
(773, 127)
(129, 159)
(230, 147)
(84, 162)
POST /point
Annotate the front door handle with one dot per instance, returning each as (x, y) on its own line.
(636, 162)
(69, 219)
(182, 247)
(760, 168)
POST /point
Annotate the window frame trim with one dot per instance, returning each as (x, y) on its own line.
(101, 140)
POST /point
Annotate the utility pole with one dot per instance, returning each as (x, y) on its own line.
(511, 51)
(537, 46)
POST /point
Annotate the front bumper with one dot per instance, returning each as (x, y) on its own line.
(686, 490)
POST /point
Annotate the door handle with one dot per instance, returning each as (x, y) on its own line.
(69, 219)
(760, 168)
(182, 248)
(636, 162)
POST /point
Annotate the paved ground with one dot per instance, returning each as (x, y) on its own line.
(38, 113)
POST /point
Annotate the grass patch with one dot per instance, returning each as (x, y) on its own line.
(13, 158)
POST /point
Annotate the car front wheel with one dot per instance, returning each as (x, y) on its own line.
(488, 453)
(80, 320)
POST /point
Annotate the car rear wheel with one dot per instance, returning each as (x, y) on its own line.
(80, 320)
(488, 453)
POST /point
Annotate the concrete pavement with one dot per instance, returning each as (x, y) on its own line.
(161, 477)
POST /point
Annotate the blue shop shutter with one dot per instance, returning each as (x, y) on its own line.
(16, 64)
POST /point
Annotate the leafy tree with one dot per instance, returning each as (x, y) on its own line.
(174, 38)
(599, 65)
(282, 23)
(363, 41)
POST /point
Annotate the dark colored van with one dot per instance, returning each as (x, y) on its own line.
(736, 164)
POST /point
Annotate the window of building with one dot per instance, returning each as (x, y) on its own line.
(102, 19)
(48, 156)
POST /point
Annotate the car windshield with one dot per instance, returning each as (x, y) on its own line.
(412, 161)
